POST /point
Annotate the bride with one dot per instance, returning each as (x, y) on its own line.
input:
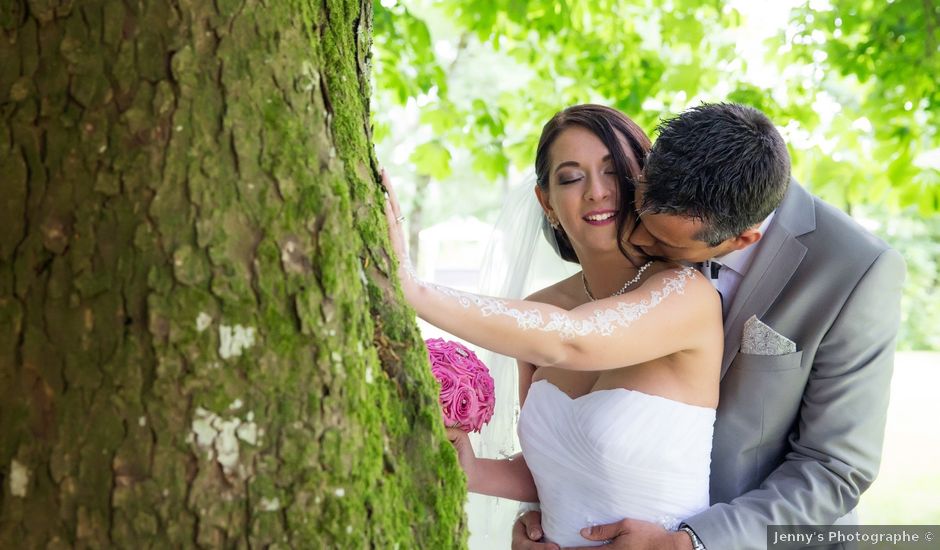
(618, 365)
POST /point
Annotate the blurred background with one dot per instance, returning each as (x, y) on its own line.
(462, 88)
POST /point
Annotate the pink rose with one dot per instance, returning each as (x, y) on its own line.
(483, 383)
(462, 407)
(448, 379)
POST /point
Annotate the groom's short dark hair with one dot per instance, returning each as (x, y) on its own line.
(722, 163)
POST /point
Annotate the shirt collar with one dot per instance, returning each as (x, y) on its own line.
(740, 261)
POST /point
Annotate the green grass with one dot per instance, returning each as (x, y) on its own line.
(907, 490)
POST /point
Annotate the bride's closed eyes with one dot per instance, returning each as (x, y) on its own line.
(565, 178)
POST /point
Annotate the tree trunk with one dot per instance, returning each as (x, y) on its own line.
(199, 340)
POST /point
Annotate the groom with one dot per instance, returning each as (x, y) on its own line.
(811, 310)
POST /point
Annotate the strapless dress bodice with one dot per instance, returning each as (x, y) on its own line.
(614, 454)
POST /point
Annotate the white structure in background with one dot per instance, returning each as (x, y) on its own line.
(452, 253)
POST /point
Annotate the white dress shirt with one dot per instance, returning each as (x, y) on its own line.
(734, 266)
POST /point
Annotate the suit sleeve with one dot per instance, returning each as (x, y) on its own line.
(835, 450)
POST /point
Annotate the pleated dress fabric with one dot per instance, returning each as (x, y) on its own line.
(614, 454)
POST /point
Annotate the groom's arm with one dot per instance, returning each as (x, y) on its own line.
(835, 451)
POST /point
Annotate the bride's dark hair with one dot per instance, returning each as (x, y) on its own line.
(612, 127)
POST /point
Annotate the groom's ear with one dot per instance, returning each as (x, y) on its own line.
(747, 238)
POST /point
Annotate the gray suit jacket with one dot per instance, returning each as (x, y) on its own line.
(798, 436)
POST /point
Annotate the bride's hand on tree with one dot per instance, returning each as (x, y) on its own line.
(396, 234)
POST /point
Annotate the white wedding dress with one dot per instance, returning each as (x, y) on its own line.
(614, 454)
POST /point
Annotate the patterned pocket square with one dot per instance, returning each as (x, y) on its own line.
(760, 339)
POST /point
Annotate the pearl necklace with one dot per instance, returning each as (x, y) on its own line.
(625, 286)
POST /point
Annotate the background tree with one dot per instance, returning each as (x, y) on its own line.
(201, 344)
(878, 61)
(878, 152)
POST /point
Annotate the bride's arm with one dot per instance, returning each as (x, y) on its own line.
(505, 478)
(647, 323)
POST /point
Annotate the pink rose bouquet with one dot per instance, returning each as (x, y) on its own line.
(467, 395)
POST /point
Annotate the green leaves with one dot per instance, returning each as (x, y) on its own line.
(490, 161)
(885, 55)
(405, 63)
(433, 159)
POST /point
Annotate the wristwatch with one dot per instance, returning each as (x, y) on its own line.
(696, 542)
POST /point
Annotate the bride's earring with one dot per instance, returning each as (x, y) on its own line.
(552, 221)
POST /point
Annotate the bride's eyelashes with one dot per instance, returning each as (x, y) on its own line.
(565, 180)
(568, 179)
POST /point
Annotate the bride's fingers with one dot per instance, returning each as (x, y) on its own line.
(395, 234)
(390, 214)
(386, 182)
(390, 195)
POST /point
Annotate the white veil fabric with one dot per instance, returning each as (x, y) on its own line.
(506, 272)
(507, 264)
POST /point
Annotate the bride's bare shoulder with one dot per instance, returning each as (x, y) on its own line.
(564, 294)
(685, 278)
(667, 267)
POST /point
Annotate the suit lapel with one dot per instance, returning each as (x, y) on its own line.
(776, 260)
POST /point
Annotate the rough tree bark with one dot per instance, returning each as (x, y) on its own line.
(199, 341)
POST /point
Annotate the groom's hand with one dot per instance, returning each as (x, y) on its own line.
(633, 534)
(527, 531)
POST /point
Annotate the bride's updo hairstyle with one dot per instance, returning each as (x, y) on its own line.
(615, 130)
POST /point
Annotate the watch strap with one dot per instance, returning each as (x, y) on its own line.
(696, 542)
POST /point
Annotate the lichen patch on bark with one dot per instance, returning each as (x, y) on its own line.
(19, 479)
(234, 340)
